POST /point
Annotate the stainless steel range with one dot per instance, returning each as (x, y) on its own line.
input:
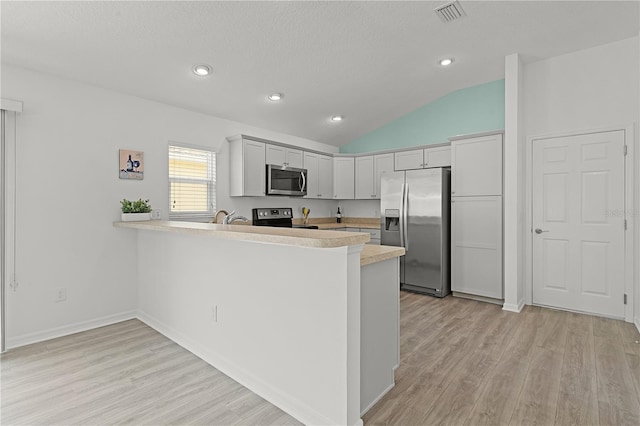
(281, 217)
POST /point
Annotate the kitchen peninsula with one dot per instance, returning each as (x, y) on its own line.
(307, 319)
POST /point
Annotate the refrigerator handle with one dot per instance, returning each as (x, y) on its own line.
(401, 219)
(405, 208)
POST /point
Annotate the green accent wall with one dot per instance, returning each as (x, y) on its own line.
(471, 110)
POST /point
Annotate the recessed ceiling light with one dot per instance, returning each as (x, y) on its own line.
(446, 62)
(275, 96)
(202, 70)
(337, 118)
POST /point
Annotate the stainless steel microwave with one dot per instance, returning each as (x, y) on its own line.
(286, 181)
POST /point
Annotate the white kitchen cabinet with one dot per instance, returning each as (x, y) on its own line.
(476, 166)
(439, 156)
(325, 176)
(319, 175)
(343, 178)
(246, 167)
(369, 170)
(409, 160)
(283, 156)
(476, 246)
(364, 179)
(382, 163)
(310, 163)
(374, 235)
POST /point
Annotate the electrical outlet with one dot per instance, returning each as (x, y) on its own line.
(61, 295)
(155, 214)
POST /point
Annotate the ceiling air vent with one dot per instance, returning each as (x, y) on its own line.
(450, 11)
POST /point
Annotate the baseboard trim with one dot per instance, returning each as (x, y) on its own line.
(477, 298)
(510, 307)
(375, 401)
(78, 327)
(285, 402)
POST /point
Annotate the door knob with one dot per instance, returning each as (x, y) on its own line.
(540, 231)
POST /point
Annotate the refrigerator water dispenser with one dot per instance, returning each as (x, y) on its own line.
(392, 220)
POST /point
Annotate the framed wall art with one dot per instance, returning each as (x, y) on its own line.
(131, 164)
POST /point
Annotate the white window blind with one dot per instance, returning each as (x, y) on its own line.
(192, 182)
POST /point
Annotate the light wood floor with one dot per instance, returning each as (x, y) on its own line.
(470, 363)
(125, 373)
(462, 362)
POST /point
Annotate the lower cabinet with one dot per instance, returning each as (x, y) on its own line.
(374, 233)
(476, 246)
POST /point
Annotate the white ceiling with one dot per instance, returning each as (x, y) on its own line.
(370, 61)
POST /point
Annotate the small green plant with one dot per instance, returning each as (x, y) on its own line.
(140, 206)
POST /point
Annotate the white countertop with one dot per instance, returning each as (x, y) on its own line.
(290, 236)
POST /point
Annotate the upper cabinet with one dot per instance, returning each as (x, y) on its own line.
(369, 170)
(283, 156)
(319, 175)
(439, 156)
(409, 160)
(382, 163)
(476, 166)
(343, 178)
(246, 167)
(325, 176)
(364, 185)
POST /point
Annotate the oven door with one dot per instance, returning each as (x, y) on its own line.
(286, 181)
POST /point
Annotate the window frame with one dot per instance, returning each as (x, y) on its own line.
(211, 184)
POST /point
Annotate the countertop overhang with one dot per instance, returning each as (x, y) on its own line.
(316, 238)
(266, 234)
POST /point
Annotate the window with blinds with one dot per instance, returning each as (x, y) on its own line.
(192, 182)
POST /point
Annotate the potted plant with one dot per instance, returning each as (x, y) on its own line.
(135, 210)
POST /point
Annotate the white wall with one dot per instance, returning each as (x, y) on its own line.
(68, 188)
(587, 90)
(358, 208)
(288, 318)
(583, 90)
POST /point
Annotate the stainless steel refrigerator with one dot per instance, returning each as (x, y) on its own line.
(414, 211)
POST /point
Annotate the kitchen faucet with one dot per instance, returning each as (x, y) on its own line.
(232, 217)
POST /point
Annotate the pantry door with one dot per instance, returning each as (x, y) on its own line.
(578, 223)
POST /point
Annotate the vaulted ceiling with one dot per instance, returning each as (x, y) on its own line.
(368, 61)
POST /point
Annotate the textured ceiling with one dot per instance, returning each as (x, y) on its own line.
(370, 61)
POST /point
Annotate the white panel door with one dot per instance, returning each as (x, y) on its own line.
(578, 220)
